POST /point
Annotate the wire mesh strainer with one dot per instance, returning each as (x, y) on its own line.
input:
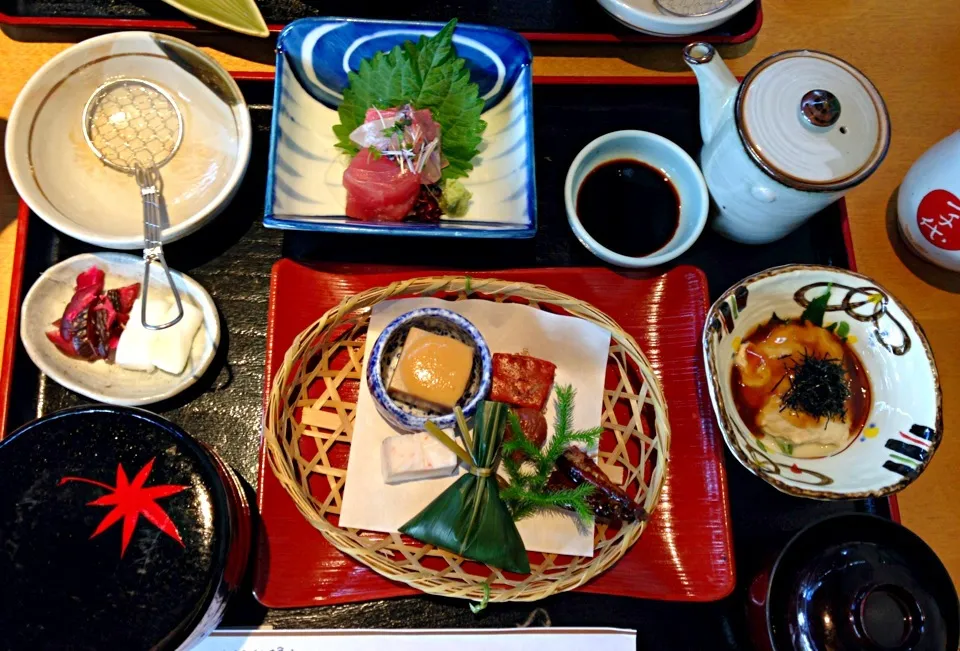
(135, 127)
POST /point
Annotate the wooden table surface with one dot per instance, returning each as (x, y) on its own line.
(907, 49)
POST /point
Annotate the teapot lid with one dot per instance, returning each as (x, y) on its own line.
(812, 121)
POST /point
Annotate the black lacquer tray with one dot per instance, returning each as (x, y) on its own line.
(553, 20)
(234, 263)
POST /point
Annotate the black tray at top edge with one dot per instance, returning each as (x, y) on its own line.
(224, 408)
(540, 20)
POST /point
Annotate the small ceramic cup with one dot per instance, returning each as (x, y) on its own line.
(929, 205)
(385, 355)
(659, 153)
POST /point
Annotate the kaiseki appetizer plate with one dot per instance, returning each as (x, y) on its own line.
(321, 371)
(305, 174)
(901, 424)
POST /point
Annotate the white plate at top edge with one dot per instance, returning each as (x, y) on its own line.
(100, 380)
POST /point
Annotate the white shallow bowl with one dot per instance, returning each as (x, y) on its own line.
(905, 423)
(100, 380)
(647, 17)
(62, 180)
(660, 153)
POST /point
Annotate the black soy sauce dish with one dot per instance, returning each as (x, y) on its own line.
(118, 530)
(855, 582)
(635, 199)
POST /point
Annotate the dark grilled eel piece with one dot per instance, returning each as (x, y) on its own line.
(608, 502)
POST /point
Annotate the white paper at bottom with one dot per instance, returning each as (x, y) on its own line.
(513, 639)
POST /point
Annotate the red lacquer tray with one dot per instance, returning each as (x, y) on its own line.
(685, 554)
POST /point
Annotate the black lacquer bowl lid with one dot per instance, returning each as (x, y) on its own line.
(114, 532)
(859, 582)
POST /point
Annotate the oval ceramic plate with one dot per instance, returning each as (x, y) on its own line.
(101, 380)
(63, 181)
(904, 424)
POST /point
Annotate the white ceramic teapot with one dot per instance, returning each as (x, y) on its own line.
(802, 129)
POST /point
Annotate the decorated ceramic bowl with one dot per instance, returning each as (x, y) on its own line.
(385, 357)
(305, 172)
(901, 424)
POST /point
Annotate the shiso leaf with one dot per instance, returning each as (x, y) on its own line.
(427, 74)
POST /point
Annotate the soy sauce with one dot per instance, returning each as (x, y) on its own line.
(629, 207)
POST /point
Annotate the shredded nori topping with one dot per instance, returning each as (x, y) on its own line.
(818, 386)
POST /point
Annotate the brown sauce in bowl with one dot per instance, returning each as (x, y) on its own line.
(765, 368)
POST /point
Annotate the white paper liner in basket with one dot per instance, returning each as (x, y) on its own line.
(338, 335)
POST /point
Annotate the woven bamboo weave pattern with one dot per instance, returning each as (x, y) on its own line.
(322, 369)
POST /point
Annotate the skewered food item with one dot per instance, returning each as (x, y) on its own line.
(608, 502)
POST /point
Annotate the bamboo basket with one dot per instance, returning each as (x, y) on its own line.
(323, 369)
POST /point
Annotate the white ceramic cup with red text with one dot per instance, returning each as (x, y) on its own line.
(929, 204)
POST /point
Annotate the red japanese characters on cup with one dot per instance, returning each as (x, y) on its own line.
(929, 204)
(938, 217)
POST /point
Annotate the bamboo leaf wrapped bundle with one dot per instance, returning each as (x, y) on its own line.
(469, 517)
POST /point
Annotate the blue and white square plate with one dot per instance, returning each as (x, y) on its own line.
(304, 180)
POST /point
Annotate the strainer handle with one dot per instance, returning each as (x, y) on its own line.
(148, 178)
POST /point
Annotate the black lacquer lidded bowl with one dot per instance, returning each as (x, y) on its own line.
(117, 531)
(864, 583)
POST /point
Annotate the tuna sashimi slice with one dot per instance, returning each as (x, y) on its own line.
(378, 189)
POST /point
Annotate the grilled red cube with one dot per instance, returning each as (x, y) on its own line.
(521, 380)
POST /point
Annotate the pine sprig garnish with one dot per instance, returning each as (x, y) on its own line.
(527, 493)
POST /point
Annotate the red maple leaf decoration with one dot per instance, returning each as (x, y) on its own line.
(130, 500)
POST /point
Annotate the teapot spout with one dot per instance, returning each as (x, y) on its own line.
(717, 84)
